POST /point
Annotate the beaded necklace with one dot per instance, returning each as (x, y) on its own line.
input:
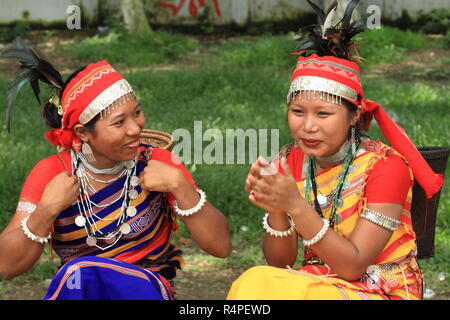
(85, 204)
(335, 200)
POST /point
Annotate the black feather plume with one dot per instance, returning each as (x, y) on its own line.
(319, 11)
(37, 67)
(326, 39)
(348, 13)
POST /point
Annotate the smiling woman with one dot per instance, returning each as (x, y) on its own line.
(107, 203)
(119, 138)
(319, 126)
(346, 196)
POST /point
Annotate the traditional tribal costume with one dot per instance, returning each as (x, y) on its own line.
(114, 243)
(373, 173)
(146, 245)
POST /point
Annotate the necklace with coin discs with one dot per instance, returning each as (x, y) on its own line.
(334, 198)
(87, 208)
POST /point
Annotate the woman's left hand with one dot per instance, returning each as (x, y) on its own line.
(272, 190)
(161, 177)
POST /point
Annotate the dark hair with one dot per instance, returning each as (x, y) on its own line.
(352, 108)
(51, 115)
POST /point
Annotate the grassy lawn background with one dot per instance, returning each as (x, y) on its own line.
(229, 83)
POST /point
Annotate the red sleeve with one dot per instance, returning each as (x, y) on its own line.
(389, 181)
(42, 173)
(170, 158)
(295, 162)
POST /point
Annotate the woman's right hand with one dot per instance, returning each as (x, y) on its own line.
(60, 193)
(273, 190)
(258, 170)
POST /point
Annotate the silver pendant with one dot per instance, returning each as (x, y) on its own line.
(134, 181)
(338, 218)
(80, 221)
(125, 228)
(323, 200)
(91, 241)
(110, 240)
(133, 194)
(129, 164)
(131, 211)
(340, 203)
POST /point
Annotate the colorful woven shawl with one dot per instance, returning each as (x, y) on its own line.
(149, 242)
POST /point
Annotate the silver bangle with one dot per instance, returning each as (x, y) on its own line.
(195, 209)
(319, 235)
(277, 233)
(380, 220)
(31, 235)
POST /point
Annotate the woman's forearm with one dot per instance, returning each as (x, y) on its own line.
(208, 227)
(336, 251)
(18, 253)
(280, 251)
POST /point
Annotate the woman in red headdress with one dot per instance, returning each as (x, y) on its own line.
(107, 203)
(347, 197)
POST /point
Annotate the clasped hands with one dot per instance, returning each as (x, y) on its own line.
(273, 190)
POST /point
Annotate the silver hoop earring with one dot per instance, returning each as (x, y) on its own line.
(87, 152)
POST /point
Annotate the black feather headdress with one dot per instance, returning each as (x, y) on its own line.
(326, 39)
(36, 67)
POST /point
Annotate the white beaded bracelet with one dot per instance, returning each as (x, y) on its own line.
(26, 206)
(319, 235)
(197, 208)
(31, 235)
(277, 233)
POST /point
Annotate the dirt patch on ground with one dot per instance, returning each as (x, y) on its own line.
(203, 277)
(431, 64)
(204, 285)
(25, 291)
(53, 48)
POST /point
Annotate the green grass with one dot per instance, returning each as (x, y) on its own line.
(260, 52)
(132, 50)
(242, 85)
(385, 45)
(388, 45)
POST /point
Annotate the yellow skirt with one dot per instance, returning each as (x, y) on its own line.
(271, 283)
